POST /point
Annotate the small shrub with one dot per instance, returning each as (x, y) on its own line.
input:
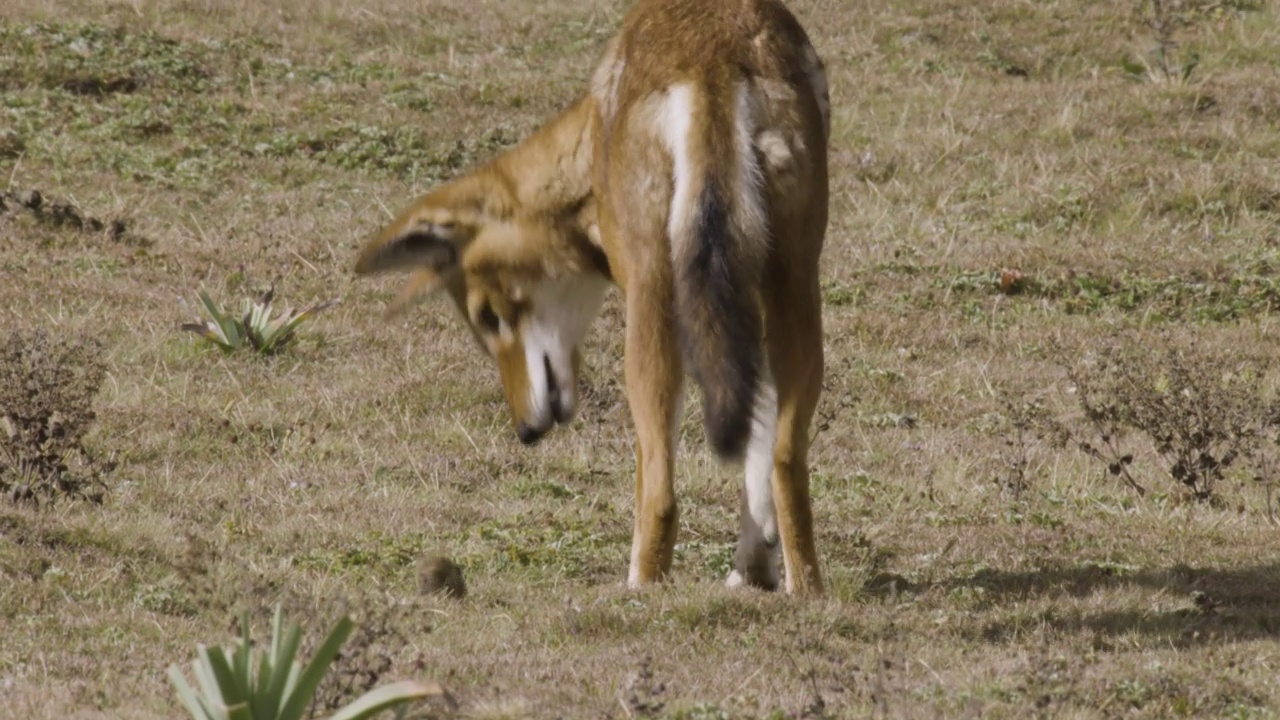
(1163, 63)
(47, 387)
(644, 693)
(1201, 412)
(1023, 424)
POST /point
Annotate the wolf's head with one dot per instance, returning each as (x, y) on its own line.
(523, 285)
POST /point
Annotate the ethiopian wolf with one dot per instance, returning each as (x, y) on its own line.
(692, 175)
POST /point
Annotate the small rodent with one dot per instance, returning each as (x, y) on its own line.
(438, 575)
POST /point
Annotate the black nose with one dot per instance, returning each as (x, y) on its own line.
(528, 435)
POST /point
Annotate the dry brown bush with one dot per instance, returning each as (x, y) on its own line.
(1202, 410)
(47, 387)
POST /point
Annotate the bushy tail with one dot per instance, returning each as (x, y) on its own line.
(719, 239)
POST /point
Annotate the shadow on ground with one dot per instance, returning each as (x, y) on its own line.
(1210, 604)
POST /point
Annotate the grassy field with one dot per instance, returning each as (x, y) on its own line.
(1120, 156)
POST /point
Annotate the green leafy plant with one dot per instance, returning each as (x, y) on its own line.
(274, 685)
(254, 327)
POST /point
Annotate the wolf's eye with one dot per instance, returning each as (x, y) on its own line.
(488, 319)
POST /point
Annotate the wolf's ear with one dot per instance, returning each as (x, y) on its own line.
(421, 283)
(421, 246)
(428, 251)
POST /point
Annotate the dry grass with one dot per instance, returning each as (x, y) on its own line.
(271, 138)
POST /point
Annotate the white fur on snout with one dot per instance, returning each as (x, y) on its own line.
(535, 346)
(562, 311)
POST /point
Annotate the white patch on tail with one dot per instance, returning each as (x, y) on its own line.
(561, 313)
(758, 537)
(675, 122)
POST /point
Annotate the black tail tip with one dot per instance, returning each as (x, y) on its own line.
(728, 427)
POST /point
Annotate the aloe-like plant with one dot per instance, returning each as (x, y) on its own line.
(254, 327)
(274, 685)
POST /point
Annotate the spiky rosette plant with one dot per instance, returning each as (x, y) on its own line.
(272, 684)
(254, 327)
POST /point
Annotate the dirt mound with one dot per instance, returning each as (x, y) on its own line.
(61, 214)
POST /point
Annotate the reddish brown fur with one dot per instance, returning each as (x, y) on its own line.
(598, 189)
